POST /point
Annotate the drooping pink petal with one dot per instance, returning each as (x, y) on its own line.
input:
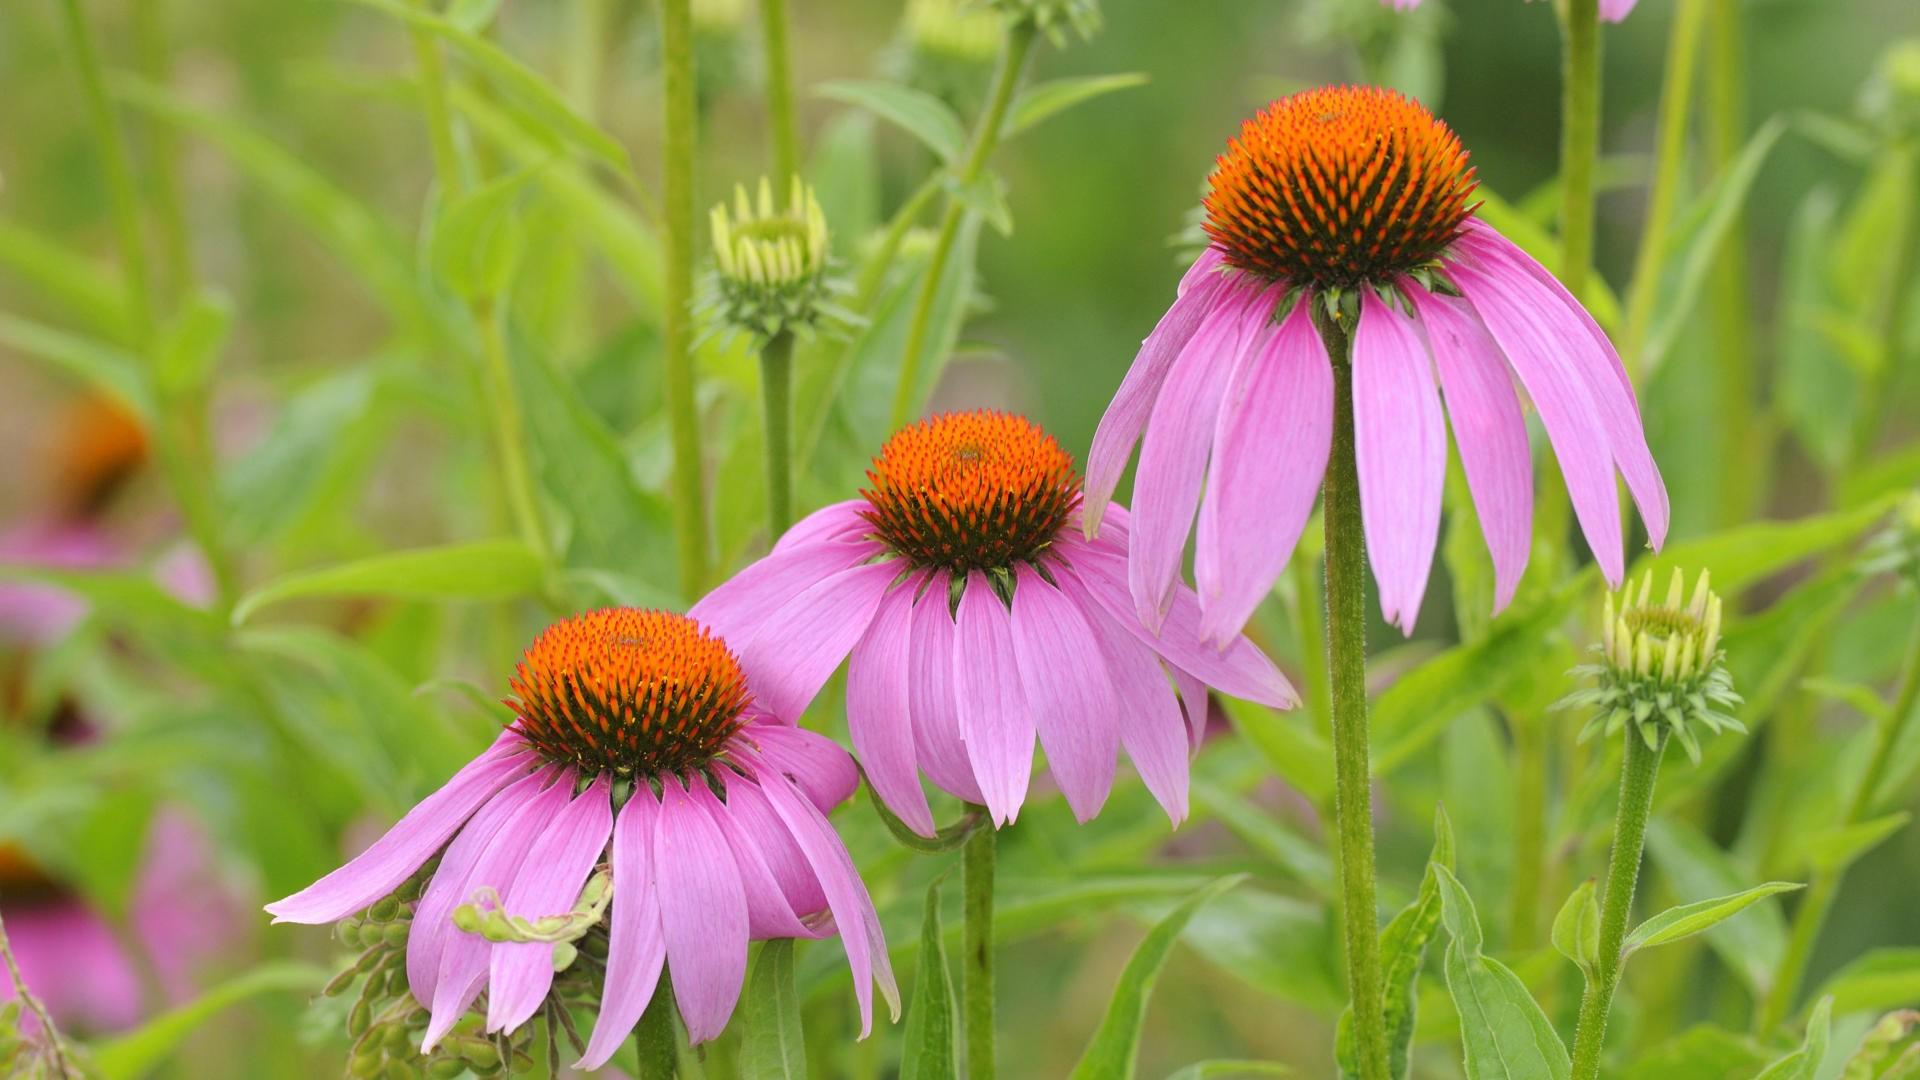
(834, 523)
(797, 649)
(932, 707)
(995, 721)
(818, 764)
(1149, 720)
(1400, 438)
(847, 898)
(878, 716)
(394, 857)
(636, 949)
(1269, 454)
(1597, 366)
(1489, 429)
(1578, 441)
(703, 913)
(1063, 677)
(464, 957)
(521, 972)
(1126, 416)
(739, 609)
(772, 871)
(1240, 669)
(1194, 705)
(432, 922)
(1173, 454)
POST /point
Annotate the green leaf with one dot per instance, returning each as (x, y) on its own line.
(87, 288)
(1299, 857)
(1687, 920)
(773, 1048)
(1114, 1051)
(483, 570)
(1881, 979)
(919, 113)
(929, 1052)
(1702, 1052)
(190, 345)
(327, 433)
(1745, 554)
(1229, 1070)
(1833, 850)
(1044, 100)
(1576, 929)
(1403, 949)
(140, 1051)
(474, 240)
(1692, 864)
(1502, 1029)
(1279, 945)
(95, 363)
(987, 197)
(1804, 1063)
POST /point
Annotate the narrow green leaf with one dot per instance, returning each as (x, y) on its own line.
(473, 242)
(917, 112)
(483, 570)
(1694, 865)
(929, 1053)
(987, 197)
(140, 1051)
(87, 289)
(1114, 1051)
(1837, 848)
(773, 1048)
(1044, 100)
(1576, 929)
(190, 345)
(1502, 1029)
(1880, 979)
(1267, 835)
(1229, 1070)
(95, 363)
(1687, 920)
(1702, 1052)
(1744, 554)
(1804, 1063)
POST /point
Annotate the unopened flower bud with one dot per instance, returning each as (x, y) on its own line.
(1661, 670)
(384, 909)
(770, 263)
(466, 918)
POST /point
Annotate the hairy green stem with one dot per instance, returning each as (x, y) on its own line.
(1810, 918)
(976, 944)
(1346, 557)
(1745, 431)
(1669, 163)
(1529, 831)
(1638, 769)
(986, 135)
(689, 491)
(776, 384)
(780, 110)
(1579, 139)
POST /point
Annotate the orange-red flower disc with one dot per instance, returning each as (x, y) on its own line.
(971, 491)
(1339, 185)
(628, 691)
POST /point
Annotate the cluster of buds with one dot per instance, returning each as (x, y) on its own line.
(1661, 669)
(484, 916)
(1055, 17)
(771, 268)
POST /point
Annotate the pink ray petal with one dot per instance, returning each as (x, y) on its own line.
(636, 947)
(934, 710)
(995, 722)
(839, 522)
(703, 913)
(741, 607)
(1150, 725)
(557, 867)
(768, 859)
(1400, 439)
(1064, 679)
(816, 763)
(878, 716)
(797, 649)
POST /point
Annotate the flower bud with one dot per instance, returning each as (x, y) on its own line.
(1055, 17)
(770, 263)
(1660, 669)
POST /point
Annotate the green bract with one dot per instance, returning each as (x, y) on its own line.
(771, 267)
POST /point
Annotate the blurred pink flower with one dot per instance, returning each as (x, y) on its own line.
(35, 614)
(978, 618)
(1351, 204)
(1610, 10)
(606, 700)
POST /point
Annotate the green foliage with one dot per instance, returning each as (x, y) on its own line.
(933, 1017)
(1502, 1029)
(774, 1047)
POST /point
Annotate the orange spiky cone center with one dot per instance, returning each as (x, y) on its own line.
(628, 691)
(1339, 185)
(971, 491)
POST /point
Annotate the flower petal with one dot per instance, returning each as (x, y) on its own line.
(1489, 429)
(1269, 453)
(703, 913)
(816, 763)
(833, 523)
(749, 814)
(994, 719)
(1400, 438)
(394, 857)
(636, 949)
(521, 972)
(769, 914)
(739, 608)
(1150, 724)
(1064, 680)
(877, 711)
(798, 647)
(931, 704)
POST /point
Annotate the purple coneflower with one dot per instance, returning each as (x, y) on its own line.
(1351, 205)
(1610, 10)
(636, 742)
(978, 618)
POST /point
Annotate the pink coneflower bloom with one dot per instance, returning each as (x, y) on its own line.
(1610, 10)
(635, 742)
(978, 618)
(1350, 205)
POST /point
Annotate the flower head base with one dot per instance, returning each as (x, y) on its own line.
(1339, 185)
(953, 30)
(770, 262)
(1055, 17)
(1661, 666)
(966, 491)
(631, 692)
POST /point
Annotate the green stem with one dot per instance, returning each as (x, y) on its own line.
(689, 493)
(56, 1053)
(986, 135)
(1669, 162)
(509, 432)
(587, 33)
(977, 949)
(163, 148)
(119, 173)
(1638, 769)
(780, 111)
(1346, 557)
(1529, 830)
(1810, 918)
(776, 383)
(1745, 433)
(433, 103)
(1579, 139)
(1896, 310)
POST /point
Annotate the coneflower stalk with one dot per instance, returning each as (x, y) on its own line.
(681, 122)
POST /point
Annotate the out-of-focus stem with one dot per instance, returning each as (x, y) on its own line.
(776, 384)
(163, 151)
(1637, 773)
(780, 111)
(121, 191)
(986, 135)
(433, 102)
(1745, 433)
(1669, 161)
(689, 492)
(1896, 311)
(1579, 139)
(976, 943)
(1529, 830)
(509, 432)
(587, 34)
